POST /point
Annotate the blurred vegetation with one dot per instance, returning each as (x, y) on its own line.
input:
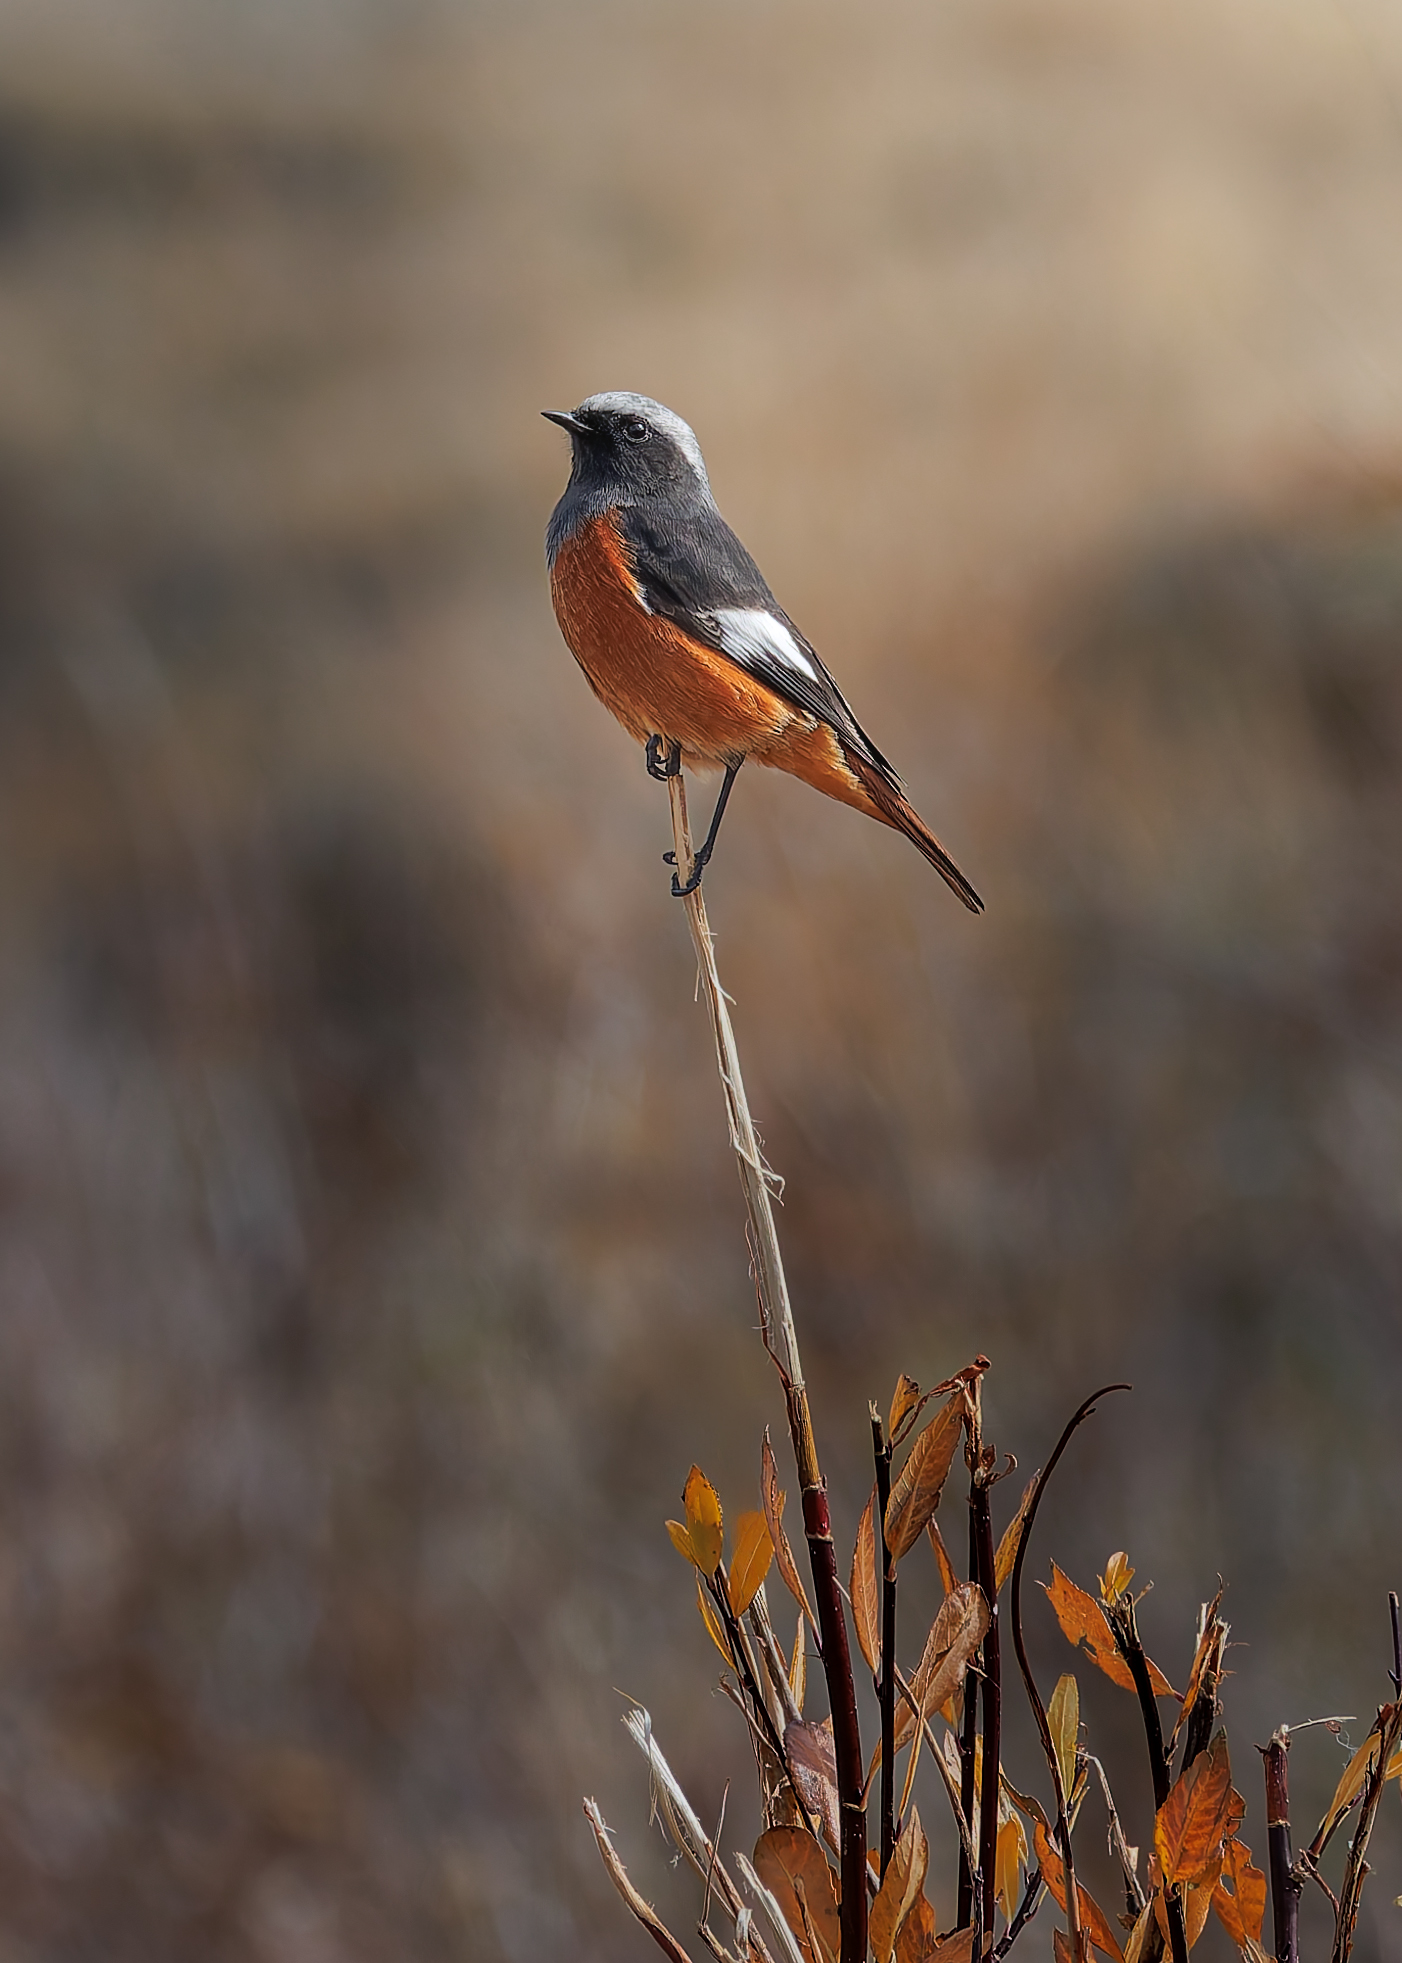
(371, 1262)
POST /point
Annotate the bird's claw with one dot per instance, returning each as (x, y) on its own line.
(662, 766)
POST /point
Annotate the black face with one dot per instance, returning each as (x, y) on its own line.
(625, 451)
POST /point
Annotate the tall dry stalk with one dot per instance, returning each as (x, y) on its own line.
(781, 1340)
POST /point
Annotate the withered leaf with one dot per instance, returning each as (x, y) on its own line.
(1214, 1635)
(715, 1628)
(1009, 1855)
(795, 1870)
(798, 1663)
(957, 1631)
(1351, 1783)
(1116, 1578)
(916, 1492)
(1242, 1910)
(813, 1762)
(1196, 1817)
(773, 1498)
(1197, 1902)
(900, 1889)
(1093, 1919)
(866, 1597)
(1139, 1934)
(749, 1560)
(918, 1938)
(948, 1578)
(1064, 1719)
(1006, 1557)
(1083, 1621)
(703, 1520)
(903, 1402)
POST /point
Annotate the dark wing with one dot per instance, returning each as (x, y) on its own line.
(694, 572)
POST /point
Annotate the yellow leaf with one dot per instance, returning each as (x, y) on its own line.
(715, 1628)
(916, 1492)
(1010, 1853)
(681, 1540)
(904, 1401)
(703, 1520)
(1116, 1578)
(773, 1499)
(1139, 1934)
(798, 1665)
(1083, 1621)
(900, 1889)
(794, 1868)
(948, 1578)
(1351, 1783)
(749, 1560)
(1006, 1557)
(1194, 1820)
(1064, 1718)
(866, 1597)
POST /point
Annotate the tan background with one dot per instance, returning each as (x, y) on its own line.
(372, 1268)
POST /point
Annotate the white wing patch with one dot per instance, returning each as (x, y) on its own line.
(749, 634)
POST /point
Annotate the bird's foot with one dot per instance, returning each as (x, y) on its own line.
(698, 866)
(663, 763)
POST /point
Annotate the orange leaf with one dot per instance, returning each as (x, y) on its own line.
(773, 1499)
(903, 1402)
(948, 1578)
(1351, 1783)
(749, 1560)
(798, 1665)
(916, 1493)
(681, 1540)
(1195, 1819)
(715, 1628)
(813, 1762)
(794, 1868)
(1093, 1921)
(866, 1599)
(1006, 1557)
(1139, 1934)
(919, 1940)
(703, 1520)
(958, 1629)
(1010, 1854)
(1116, 1578)
(1083, 1621)
(900, 1888)
(1197, 1902)
(1242, 1911)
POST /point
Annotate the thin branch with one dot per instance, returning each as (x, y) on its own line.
(1396, 1671)
(968, 1757)
(1120, 1616)
(1039, 1710)
(1026, 1909)
(886, 1687)
(1285, 1880)
(992, 1695)
(1119, 1846)
(618, 1875)
(1356, 1873)
(781, 1340)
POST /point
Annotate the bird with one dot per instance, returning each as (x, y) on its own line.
(679, 635)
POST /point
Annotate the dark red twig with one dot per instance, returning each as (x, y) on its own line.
(886, 1683)
(1396, 1671)
(968, 1732)
(1120, 1616)
(1285, 1882)
(992, 1695)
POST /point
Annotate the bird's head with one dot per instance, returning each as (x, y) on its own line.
(631, 445)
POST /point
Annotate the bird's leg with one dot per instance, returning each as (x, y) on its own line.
(659, 766)
(703, 856)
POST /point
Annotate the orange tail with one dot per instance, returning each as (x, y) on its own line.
(893, 809)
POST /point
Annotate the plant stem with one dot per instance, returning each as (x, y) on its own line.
(886, 1686)
(1285, 1883)
(992, 1698)
(1126, 1634)
(1356, 1873)
(968, 1732)
(781, 1340)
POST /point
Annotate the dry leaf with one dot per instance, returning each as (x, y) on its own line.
(1064, 1719)
(1093, 1920)
(956, 1633)
(1351, 1783)
(681, 1540)
(703, 1520)
(749, 1560)
(798, 1664)
(1196, 1818)
(900, 1889)
(919, 1938)
(1116, 1578)
(715, 1628)
(1197, 1902)
(813, 1762)
(773, 1499)
(903, 1402)
(1083, 1621)
(948, 1578)
(1139, 1934)
(1009, 1856)
(794, 1868)
(916, 1493)
(1210, 1643)
(1242, 1911)
(1006, 1557)
(866, 1596)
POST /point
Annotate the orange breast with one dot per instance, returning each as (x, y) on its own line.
(652, 675)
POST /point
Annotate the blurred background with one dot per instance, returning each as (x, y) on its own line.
(372, 1265)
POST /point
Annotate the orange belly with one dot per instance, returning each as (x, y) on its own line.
(660, 682)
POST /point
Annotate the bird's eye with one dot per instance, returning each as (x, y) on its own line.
(637, 430)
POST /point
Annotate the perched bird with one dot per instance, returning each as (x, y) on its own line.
(673, 624)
